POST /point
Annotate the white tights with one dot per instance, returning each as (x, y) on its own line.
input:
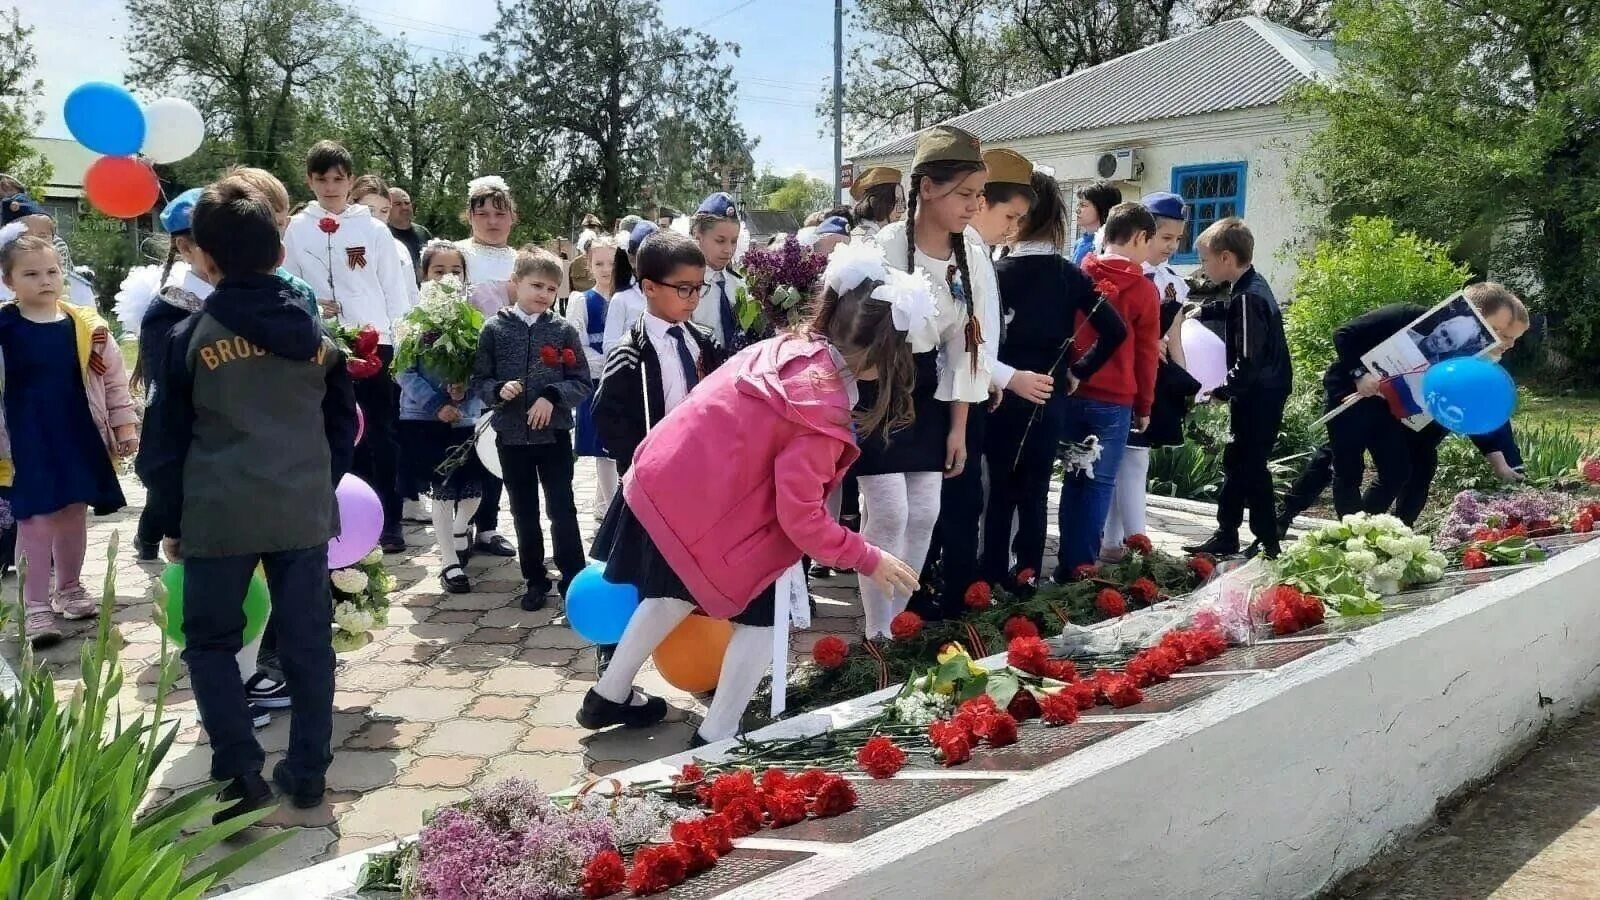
(1127, 501)
(748, 655)
(449, 519)
(899, 512)
(605, 484)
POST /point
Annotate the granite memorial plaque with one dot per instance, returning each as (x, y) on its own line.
(882, 803)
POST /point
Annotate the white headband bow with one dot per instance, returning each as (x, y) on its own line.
(910, 296)
(11, 233)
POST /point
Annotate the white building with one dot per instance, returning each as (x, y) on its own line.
(1202, 115)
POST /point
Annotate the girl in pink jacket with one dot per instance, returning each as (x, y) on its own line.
(778, 418)
(68, 413)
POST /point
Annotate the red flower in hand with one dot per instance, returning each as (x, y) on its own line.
(954, 749)
(1110, 602)
(1028, 654)
(834, 797)
(880, 758)
(905, 626)
(1139, 543)
(979, 596)
(549, 356)
(1020, 626)
(1202, 566)
(604, 875)
(1023, 707)
(1475, 559)
(1107, 289)
(568, 358)
(1085, 572)
(786, 807)
(366, 342)
(1144, 590)
(657, 868)
(830, 652)
(328, 224)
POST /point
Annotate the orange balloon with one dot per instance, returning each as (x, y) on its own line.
(121, 187)
(690, 658)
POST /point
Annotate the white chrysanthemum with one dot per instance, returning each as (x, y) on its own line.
(350, 581)
(352, 618)
(910, 299)
(1361, 560)
(373, 558)
(1355, 545)
(1390, 525)
(1430, 573)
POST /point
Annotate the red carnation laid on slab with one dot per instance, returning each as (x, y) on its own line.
(905, 626)
(979, 596)
(880, 758)
(1058, 709)
(604, 875)
(834, 797)
(1139, 543)
(1475, 559)
(1110, 602)
(657, 868)
(830, 652)
(1020, 626)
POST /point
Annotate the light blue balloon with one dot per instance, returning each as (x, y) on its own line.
(597, 609)
(1469, 396)
(105, 118)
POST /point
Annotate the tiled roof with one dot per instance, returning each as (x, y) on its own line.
(1238, 64)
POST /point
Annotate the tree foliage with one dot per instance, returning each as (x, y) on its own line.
(20, 89)
(799, 193)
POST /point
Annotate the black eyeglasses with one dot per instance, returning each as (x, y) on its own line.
(685, 291)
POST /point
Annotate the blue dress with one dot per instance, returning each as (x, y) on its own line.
(56, 448)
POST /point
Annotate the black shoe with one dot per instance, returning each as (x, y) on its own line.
(1271, 551)
(455, 581)
(818, 570)
(303, 794)
(1254, 550)
(144, 551)
(696, 741)
(597, 712)
(392, 542)
(495, 546)
(1219, 544)
(267, 692)
(247, 793)
(535, 598)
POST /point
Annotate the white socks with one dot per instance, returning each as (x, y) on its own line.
(749, 655)
(605, 485)
(450, 519)
(899, 512)
(1127, 500)
(651, 623)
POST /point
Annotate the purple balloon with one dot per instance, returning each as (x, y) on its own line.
(360, 522)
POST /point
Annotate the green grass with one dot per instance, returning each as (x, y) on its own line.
(1578, 409)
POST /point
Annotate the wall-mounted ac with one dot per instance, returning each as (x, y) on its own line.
(1120, 165)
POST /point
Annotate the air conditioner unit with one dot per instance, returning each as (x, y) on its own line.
(1120, 165)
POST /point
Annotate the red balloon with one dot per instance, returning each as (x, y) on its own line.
(121, 187)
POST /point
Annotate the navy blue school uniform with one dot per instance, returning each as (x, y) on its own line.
(586, 437)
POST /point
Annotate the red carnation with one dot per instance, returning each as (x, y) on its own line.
(954, 749)
(1085, 571)
(981, 705)
(999, 730)
(366, 343)
(604, 875)
(710, 831)
(1026, 577)
(830, 652)
(731, 786)
(1590, 469)
(1141, 671)
(786, 807)
(835, 797)
(549, 356)
(1110, 602)
(905, 626)
(1028, 654)
(362, 367)
(1475, 559)
(568, 358)
(1083, 693)
(1202, 566)
(1107, 289)
(1058, 709)
(698, 849)
(1583, 524)
(942, 730)
(880, 758)
(1164, 661)
(1283, 620)
(1144, 590)
(1061, 670)
(1308, 610)
(328, 224)
(1023, 706)
(657, 868)
(1120, 691)
(744, 814)
(775, 779)
(691, 774)
(979, 596)
(810, 781)
(1020, 626)
(1139, 543)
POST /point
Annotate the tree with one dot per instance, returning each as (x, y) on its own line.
(1051, 39)
(1477, 125)
(798, 194)
(19, 92)
(607, 100)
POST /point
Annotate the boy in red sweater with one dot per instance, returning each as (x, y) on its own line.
(1117, 398)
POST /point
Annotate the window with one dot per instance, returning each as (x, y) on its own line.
(1213, 191)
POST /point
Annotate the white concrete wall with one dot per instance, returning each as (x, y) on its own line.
(1265, 138)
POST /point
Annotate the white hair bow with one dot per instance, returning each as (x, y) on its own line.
(487, 183)
(11, 233)
(910, 296)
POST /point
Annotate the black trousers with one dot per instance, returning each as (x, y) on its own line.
(955, 535)
(487, 518)
(1246, 477)
(213, 628)
(1020, 459)
(527, 467)
(377, 456)
(1367, 427)
(1410, 496)
(1308, 486)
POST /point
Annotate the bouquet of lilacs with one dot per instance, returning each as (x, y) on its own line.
(1347, 562)
(360, 601)
(440, 333)
(1472, 513)
(779, 285)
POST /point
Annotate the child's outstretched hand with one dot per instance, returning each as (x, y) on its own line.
(893, 575)
(127, 437)
(541, 411)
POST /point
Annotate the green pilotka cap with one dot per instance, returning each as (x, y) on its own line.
(946, 143)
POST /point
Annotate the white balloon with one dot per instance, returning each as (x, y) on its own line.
(1205, 356)
(488, 451)
(173, 130)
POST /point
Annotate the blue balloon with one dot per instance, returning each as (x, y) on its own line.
(1469, 396)
(105, 118)
(597, 609)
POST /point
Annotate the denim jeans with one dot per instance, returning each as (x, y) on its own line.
(213, 629)
(1086, 501)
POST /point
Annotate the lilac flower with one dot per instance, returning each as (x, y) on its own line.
(790, 265)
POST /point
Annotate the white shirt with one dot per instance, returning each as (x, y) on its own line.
(1169, 284)
(578, 315)
(527, 318)
(364, 274)
(625, 309)
(957, 380)
(709, 311)
(674, 387)
(982, 267)
(486, 263)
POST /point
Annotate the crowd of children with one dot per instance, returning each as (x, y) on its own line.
(959, 342)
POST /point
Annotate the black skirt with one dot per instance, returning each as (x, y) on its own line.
(423, 446)
(631, 557)
(919, 447)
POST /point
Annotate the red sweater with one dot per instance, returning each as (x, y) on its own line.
(1129, 377)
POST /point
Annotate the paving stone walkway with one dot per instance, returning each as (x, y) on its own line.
(458, 692)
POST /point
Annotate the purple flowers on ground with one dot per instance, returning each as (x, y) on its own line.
(1471, 510)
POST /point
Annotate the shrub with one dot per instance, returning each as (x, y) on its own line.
(1369, 264)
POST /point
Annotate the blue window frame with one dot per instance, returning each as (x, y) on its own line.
(1212, 191)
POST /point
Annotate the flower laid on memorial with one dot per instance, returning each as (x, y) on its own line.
(1589, 469)
(830, 652)
(360, 601)
(1353, 561)
(1473, 514)
(1289, 609)
(440, 333)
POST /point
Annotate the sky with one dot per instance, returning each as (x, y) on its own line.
(786, 58)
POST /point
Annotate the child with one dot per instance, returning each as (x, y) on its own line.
(880, 200)
(250, 431)
(901, 472)
(532, 370)
(349, 256)
(784, 407)
(67, 412)
(588, 316)
(628, 303)
(715, 228)
(1175, 387)
(276, 194)
(1067, 343)
(1094, 205)
(1116, 399)
(1256, 389)
(373, 193)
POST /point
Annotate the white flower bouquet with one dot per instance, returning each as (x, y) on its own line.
(441, 332)
(1351, 562)
(360, 601)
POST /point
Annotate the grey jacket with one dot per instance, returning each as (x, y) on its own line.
(547, 357)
